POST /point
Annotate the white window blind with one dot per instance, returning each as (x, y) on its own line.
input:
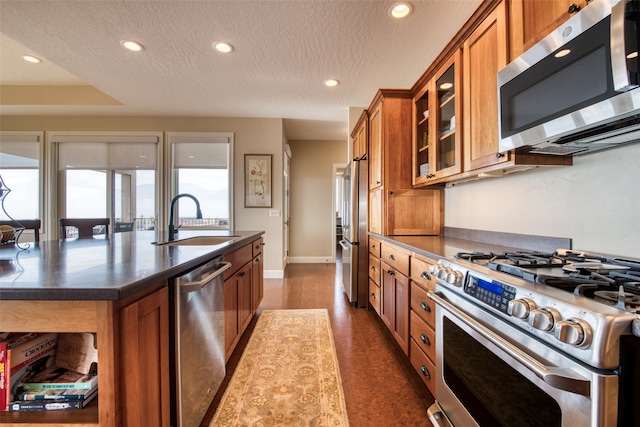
(19, 155)
(200, 151)
(121, 153)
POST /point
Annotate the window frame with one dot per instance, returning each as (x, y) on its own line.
(56, 183)
(171, 182)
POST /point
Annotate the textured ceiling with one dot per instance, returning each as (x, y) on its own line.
(284, 50)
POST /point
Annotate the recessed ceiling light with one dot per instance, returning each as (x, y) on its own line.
(401, 10)
(31, 59)
(632, 55)
(131, 45)
(445, 86)
(331, 83)
(223, 47)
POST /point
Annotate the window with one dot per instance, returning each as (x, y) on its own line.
(20, 171)
(109, 175)
(201, 166)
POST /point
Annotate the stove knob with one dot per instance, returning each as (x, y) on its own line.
(443, 271)
(543, 318)
(520, 308)
(454, 277)
(574, 332)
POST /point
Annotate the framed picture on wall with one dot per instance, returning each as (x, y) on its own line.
(257, 180)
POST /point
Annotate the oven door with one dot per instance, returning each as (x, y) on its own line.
(489, 373)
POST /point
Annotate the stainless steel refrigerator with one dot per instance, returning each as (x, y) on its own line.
(355, 276)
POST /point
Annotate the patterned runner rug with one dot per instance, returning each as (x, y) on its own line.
(288, 375)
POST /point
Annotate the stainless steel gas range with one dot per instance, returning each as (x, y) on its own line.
(536, 339)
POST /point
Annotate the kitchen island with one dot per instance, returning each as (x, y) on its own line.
(117, 288)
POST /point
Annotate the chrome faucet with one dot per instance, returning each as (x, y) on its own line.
(172, 228)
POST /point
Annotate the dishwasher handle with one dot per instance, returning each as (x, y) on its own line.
(196, 285)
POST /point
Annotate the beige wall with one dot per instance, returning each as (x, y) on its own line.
(312, 216)
(595, 202)
(251, 136)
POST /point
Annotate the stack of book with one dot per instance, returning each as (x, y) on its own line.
(47, 371)
(55, 388)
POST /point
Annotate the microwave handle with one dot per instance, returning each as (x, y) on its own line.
(559, 378)
(620, 72)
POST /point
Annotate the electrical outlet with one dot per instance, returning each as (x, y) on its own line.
(274, 213)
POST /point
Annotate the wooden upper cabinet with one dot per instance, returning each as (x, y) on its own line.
(375, 147)
(359, 136)
(437, 115)
(533, 20)
(485, 53)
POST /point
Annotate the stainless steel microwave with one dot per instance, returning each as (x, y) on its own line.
(577, 90)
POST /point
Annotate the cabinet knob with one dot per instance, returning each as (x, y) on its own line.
(425, 339)
(573, 9)
(425, 307)
(377, 182)
(373, 268)
(373, 295)
(499, 155)
(392, 257)
(391, 273)
(425, 371)
(425, 275)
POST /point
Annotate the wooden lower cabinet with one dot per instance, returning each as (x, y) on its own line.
(243, 292)
(395, 304)
(424, 366)
(145, 361)
(423, 336)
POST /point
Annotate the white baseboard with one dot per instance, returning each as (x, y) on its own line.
(273, 274)
(311, 260)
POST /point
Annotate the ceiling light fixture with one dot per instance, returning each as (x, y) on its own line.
(445, 86)
(223, 47)
(331, 83)
(632, 55)
(131, 45)
(32, 59)
(563, 52)
(401, 10)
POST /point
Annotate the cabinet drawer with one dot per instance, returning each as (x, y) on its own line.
(374, 247)
(374, 269)
(422, 305)
(423, 335)
(257, 247)
(238, 259)
(424, 367)
(395, 258)
(374, 296)
(420, 272)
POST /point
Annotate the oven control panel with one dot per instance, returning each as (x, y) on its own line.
(490, 292)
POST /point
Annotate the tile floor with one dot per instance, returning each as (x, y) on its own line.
(380, 386)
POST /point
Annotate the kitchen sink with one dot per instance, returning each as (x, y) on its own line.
(199, 241)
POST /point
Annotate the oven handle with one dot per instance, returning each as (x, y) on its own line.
(559, 378)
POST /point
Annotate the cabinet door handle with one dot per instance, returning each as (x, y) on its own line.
(392, 257)
(425, 371)
(425, 275)
(391, 273)
(499, 155)
(373, 247)
(425, 339)
(242, 273)
(373, 295)
(373, 268)
(377, 182)
(425, 306)
(573, 9)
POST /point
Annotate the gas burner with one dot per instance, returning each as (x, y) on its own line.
(625, 298)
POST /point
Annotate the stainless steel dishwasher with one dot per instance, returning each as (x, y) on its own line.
(198, 338)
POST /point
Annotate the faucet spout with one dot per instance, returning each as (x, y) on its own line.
(172, 228)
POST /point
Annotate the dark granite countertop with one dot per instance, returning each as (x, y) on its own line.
(104, 269)
(457, 240)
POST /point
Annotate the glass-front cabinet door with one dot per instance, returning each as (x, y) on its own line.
(437, 114)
